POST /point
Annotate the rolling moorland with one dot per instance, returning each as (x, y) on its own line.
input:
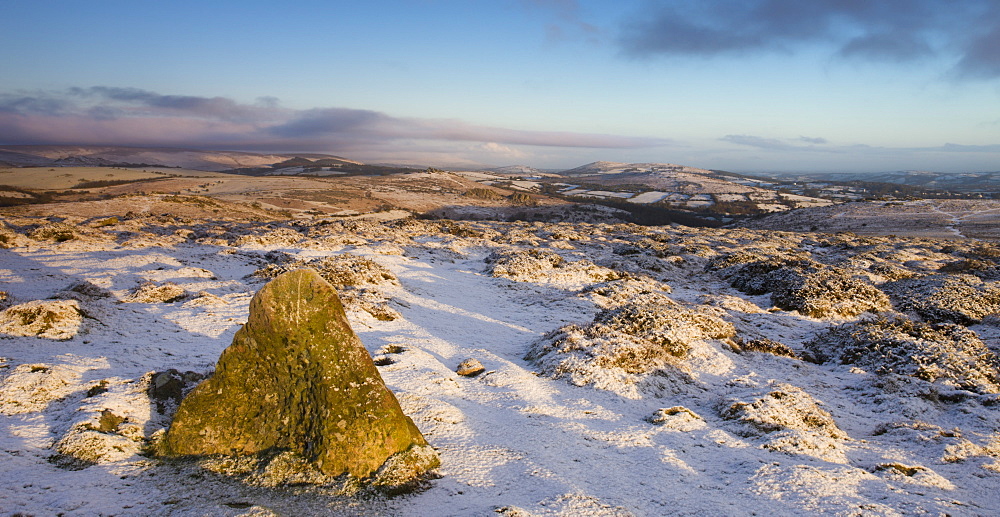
(837, 358)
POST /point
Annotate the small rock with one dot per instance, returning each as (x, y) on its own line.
(470, 368)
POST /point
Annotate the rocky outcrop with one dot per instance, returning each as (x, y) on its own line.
(297, 379)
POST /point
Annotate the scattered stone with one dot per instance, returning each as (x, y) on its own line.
(51, 319)
(297, 379)
(167, 388)
(470, 368)
(151, 292)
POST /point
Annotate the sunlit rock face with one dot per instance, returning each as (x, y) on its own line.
(296, 378)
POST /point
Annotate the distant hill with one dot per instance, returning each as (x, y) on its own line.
(515, 170)
(67, 155)
(949, 181)
(668, 177)
(624, 168)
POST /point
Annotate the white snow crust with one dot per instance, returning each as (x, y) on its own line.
(713, 439)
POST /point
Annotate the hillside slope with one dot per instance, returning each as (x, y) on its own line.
(629, 370)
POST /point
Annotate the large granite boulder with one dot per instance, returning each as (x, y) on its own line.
(296, 379)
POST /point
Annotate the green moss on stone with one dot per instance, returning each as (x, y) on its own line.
(296, 378)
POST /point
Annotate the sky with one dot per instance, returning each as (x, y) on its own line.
(739, 85)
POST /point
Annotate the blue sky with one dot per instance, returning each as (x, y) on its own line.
(750, 85)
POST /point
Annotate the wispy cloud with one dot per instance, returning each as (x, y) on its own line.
(883, 30)
(130, 116)
(819, 145)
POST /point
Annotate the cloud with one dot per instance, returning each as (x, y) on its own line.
(882, 30)
(779, 145)
(759, 142)
(569, 21)
(982, 57)
(131, 116)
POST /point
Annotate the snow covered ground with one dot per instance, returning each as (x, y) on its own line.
(686, 437)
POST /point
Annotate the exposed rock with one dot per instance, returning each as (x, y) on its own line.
(167, 388)
(52, 319)
(470, 368)
(963, 299)
(353, 276)
(948, 354)
(151, 292)
(297, 379)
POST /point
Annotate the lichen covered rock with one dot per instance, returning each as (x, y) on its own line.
(357, 280)
(297, 379)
